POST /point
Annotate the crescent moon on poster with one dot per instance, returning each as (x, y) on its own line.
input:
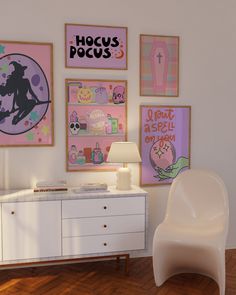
(119, 56)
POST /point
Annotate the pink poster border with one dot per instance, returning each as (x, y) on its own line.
(25, 47)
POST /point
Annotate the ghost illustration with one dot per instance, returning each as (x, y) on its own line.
(101, 95)
(74, 124)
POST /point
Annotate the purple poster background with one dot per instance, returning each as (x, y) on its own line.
(35, 75)
(165, 143)
(101, 47)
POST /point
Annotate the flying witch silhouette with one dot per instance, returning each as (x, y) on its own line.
(19, 87)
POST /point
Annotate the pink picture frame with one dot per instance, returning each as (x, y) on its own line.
(96, 47)
(26, 94)
(159, 65)
(96, 116)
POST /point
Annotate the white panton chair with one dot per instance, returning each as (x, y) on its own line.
(193, 234)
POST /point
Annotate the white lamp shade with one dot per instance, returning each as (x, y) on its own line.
(124, 152)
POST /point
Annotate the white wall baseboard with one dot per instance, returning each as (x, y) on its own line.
(230, 247)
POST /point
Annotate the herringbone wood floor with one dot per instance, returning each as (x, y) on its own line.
(102, 278)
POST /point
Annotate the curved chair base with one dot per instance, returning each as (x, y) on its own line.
(170, 259)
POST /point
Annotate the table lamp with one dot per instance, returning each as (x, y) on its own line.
(123, 152)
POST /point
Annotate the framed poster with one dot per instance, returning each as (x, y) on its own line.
(159, 65)
(95, 47)
(26, 94)
(164, 143)
(95, 117)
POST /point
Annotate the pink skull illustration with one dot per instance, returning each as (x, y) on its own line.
(118, 94)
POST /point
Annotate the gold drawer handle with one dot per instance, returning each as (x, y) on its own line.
(12, 212)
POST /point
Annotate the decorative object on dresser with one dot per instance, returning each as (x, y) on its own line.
(51, 186)
(124, 152)
(91, 187)
(68, 226)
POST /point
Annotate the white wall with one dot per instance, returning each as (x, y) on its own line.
(207, 83)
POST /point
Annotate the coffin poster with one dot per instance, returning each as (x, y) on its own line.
(98, 47)
(164, 143)
(26, 111)
(159, 65)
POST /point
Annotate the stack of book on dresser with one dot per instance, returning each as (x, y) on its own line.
(51, 186)
(91, 187)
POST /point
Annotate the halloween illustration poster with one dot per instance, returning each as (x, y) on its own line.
(164, 143)
(99, 47)
(96, 117)
(26, 94)
(159, 65)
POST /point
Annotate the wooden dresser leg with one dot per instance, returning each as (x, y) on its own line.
(118, 262)
(127, 264)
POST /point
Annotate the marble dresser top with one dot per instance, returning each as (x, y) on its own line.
(28, 195)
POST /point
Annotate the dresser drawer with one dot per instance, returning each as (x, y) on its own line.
(103, 243)
(103, 207)
(102, 225)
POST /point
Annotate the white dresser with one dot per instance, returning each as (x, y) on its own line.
(48, 227)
